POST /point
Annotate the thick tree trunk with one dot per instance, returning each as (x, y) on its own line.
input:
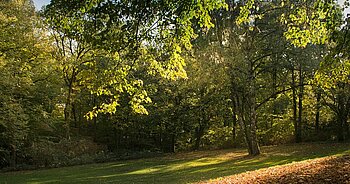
(245, 103)
(340, 128)
(342, 116)
(242, 123)
(252, 124)
(75, 119)
(347, 131)
(199, 131)
(68, 111)
(248, 125)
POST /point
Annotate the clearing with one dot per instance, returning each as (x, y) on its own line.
(201, 166)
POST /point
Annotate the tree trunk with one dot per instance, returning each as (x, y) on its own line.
(199, 131)
(242, 123)
(95, 118)
(13, 156)
(234, 125)
(340, 128)
(294, 105)
(75, 119)
(254, 149)
(68, 111)
(347, 131)
(252, 124)
(342, 116)
(172, 148)
(234, 116)
(318, 108)
(300, 107)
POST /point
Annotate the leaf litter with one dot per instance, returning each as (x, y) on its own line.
(327, 170)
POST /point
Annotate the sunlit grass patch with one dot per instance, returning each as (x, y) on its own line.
(178, 168)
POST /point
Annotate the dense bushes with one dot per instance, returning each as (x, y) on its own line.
(45, 153)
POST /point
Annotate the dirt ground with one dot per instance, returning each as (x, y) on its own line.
(330, 170)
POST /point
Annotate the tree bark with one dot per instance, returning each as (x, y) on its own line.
(94, 101)
(252, 124)
(342, 116)
(242, 123)
(234, 114)
(74, 112)
(234, 123)
(199, 131)
(294, 104)
(68, 111)
(255, 149)
(340, 128)
(318, 108)
(13, 156)
(300, 107)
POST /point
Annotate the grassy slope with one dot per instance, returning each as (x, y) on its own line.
(178, 168)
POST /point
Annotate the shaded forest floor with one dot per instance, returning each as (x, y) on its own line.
(219, 166)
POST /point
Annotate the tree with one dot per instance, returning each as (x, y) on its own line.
(26, 68)
(135, 34)
(333, 80)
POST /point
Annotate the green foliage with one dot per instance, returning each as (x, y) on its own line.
(218, 137)
(26, 70)
(150, 76)
(145, 39)
(311, 22)
(306, 22)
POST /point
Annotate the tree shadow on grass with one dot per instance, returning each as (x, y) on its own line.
(180, 168)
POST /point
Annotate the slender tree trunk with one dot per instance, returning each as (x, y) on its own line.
(294, 104)
(234, 123)
(234, 114)
(318, 108)
(173, 140)
(300, 107)
(13, 156)
(274, 88)
(95, 118)
(255, 149)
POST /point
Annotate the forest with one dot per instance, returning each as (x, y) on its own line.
(103, 80)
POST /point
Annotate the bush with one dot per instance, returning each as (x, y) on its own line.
(45, 153)
(218, 137)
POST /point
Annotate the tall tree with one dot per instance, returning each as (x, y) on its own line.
(25, 69)
(135, 35)
(333, 78)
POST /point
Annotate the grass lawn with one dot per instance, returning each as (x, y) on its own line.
(178, 168)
